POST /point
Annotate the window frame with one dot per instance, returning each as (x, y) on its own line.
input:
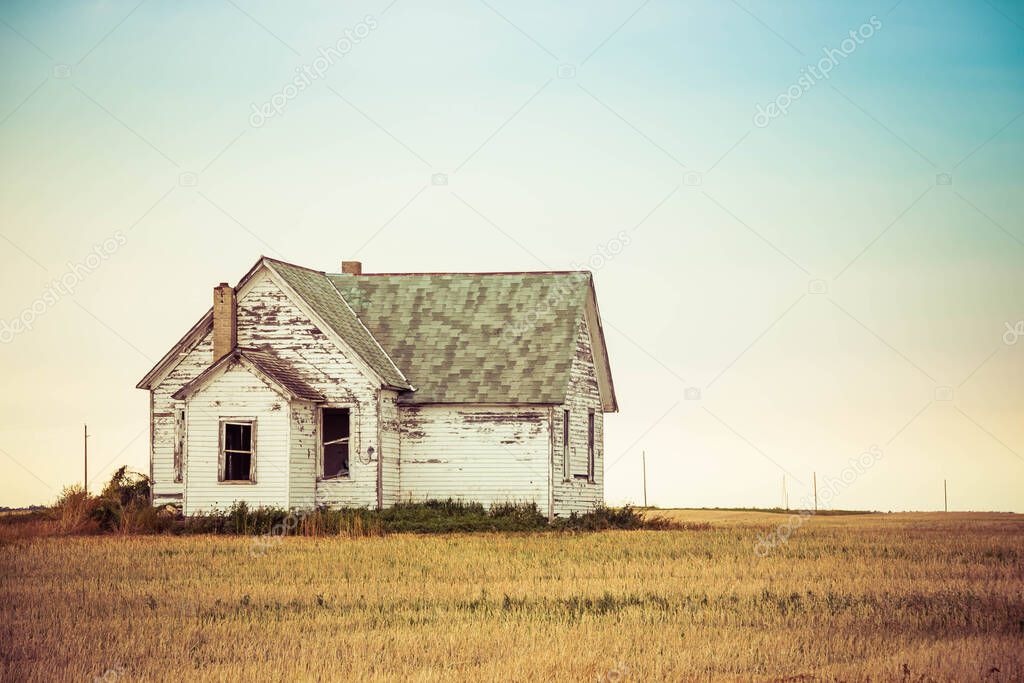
(351, 439)
(222, 452)
(566, 465)
(180, 440)
(591, 444)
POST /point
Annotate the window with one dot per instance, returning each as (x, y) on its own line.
(238, 449)
(590, 446)
(566, 472)
(179, 443)
(335, 442)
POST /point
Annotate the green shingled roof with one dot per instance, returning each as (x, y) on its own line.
(448, 337)
(455, 337)
(474, 338)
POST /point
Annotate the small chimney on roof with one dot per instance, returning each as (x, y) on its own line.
(225, 325)
(352, 267)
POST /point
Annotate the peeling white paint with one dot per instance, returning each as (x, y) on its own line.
(579, 495)
(484, 453)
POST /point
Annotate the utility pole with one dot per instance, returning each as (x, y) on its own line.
(815, 491)
(643, 459)
(85, 452)
(785, 494)
(945, 496)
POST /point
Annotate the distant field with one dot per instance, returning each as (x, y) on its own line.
(864, 520)
(908, 597)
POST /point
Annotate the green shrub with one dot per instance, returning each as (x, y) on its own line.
(447, 516)
(127, 487)
(123, 504)
(603, 518)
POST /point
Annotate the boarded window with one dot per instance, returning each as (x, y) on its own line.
(238, 450)
(179, 444)
(590, 446)
(566, 471)
(336, 436)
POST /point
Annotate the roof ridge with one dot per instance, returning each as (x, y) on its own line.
(440, 272)
(508, 272)
(292, 265)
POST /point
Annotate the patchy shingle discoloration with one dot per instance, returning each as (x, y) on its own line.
(474, 338)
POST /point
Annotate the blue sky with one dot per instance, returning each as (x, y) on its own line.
(838, 279)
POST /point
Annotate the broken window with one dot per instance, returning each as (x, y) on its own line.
(589, 474)
(179, 443)
(238, 443)
(335, 425)
(590, 446)
(566, 472)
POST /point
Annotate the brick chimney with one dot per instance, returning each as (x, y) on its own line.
(225, 327)
(352, 267)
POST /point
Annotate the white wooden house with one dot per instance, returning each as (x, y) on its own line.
(300, 388)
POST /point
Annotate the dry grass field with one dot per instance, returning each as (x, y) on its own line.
(868, 597)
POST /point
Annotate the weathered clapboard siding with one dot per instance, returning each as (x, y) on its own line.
(236, 393)
(390, 448)
(267, 316)
(304, 445)
(579, 495)
(481, 451)
(165, 488)
(488, 454)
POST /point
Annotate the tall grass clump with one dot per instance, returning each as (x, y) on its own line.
(73, 510)
(122, 506)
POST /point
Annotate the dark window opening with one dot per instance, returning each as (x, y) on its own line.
(565, 444)
(336, 427)
(590, 446)
(238, 450)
